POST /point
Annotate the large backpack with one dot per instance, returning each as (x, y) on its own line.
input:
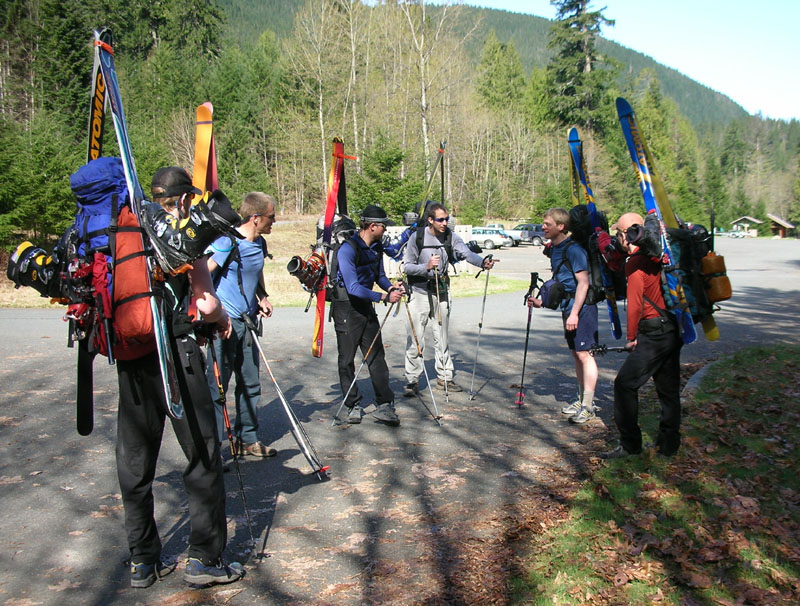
(583, 234)
(342, 231)
(109, 295)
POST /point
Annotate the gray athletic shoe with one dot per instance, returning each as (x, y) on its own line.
(583, 415)
(354, 416)
(385, 413)
(571, 409)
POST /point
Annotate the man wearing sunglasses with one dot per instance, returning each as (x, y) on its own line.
(426, 261)
(237, 268)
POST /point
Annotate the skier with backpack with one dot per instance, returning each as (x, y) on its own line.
(427, 257)
(654, 340)
(141, 417)
(569, 291)
(237, 269)
(360, 266)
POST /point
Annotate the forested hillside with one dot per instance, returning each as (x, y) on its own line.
(392, 80)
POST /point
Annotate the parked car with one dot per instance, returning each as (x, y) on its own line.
(491, 237)
(532, 233)
(514, 234)
(737, 234)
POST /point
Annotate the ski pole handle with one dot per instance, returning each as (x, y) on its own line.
(534, 282)
(485, 259)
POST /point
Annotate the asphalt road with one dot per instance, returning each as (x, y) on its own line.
(401, 503)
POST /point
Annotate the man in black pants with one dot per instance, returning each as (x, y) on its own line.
(142, 412)
(655, 345)
(360, 265)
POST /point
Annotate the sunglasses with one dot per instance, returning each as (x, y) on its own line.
(440, 219)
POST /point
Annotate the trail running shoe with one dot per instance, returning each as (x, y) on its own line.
(354, 416)
(144, 575)
(583, 415)
(198, 573)
(385, 414)
(411, 390)
(452, 386)
(572, 409)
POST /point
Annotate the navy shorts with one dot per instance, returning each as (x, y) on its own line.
(585, 336)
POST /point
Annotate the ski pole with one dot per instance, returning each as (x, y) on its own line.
(521, 394)
(444, 337)
(299, 434)
(228, 430)
(436, 415)
(480, 327)
(364, 361)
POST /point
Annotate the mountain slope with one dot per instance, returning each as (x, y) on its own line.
(702, 105)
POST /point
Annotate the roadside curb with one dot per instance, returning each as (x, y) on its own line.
(693, 384)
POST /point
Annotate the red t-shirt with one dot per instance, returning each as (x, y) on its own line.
(644, 278)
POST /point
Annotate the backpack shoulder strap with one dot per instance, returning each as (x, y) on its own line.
(233, 255)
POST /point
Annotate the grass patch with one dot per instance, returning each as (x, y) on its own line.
(719, 524)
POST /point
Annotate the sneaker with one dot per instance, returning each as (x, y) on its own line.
(354, 416)
(198, 573)
(572, 409)
(451, 385)
(256, 449)
(617, 453)
(144, 575)
(411, 390)
(583, 415)
(385, 413)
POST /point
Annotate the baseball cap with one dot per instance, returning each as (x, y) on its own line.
(175, 181)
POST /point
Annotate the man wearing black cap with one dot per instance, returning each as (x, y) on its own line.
(141, 419)
(360, 266)
(425, 261)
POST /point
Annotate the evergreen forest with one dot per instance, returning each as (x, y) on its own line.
(393, 80)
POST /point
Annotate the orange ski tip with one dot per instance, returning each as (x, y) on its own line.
(335, 155)
(104, 45)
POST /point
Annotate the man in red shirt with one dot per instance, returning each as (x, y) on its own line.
(655, 345)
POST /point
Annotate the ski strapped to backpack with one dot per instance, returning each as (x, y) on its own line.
(597, 221)
(652, 192)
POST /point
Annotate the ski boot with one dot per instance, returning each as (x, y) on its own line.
(179, 242)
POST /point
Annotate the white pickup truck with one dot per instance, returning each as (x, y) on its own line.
(514, 234)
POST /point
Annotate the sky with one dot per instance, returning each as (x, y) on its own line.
(749, 51)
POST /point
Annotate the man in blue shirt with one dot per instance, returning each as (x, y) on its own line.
(360, 266)
(237, 268)
(569, 263)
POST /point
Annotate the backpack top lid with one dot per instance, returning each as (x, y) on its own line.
(95, 185)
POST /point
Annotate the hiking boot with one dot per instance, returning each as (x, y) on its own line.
(385, 413)
(451, 385)
(583, 415)
(572, 409)
(617, 453)
(354, 415)
(256, 449)
(198, 573)
(411, 390)
(144, 575)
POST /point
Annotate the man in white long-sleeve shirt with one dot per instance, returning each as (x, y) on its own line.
(428, 255)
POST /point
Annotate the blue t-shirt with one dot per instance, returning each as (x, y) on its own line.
(251, 255)
(561, 272)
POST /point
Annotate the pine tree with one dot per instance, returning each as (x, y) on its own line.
(501, 81)
(577, 77)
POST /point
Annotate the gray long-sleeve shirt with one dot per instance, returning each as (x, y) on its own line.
(415, 262)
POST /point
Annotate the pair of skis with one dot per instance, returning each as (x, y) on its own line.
(337, 197)
(655, 200)
(581, 188)
(104, 57)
